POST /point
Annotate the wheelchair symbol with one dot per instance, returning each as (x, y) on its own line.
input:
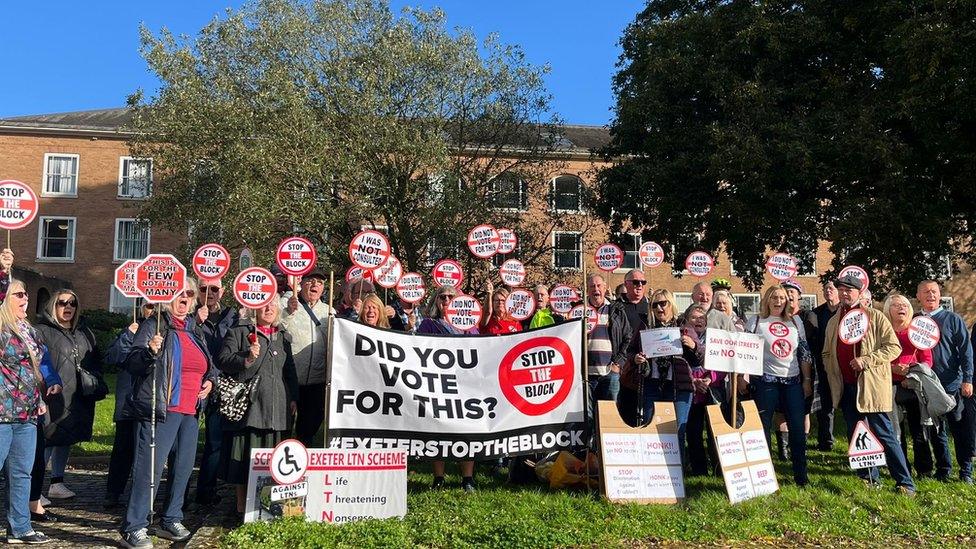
(288, 460)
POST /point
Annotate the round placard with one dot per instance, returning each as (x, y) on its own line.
(651, 254)
(463, 312)
(369, 249)
(853, 326)
(483, 241)
(608, 257)
(520, 304)
(699, 264)
(781, 266)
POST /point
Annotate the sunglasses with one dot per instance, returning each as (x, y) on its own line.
(189, 294)
(210, 289)
(19, 295)
(446, 297)
(66, 303)
(638, 282)
(659, 304)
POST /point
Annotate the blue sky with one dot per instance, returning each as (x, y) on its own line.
(60, 55)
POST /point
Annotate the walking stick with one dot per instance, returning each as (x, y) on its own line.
(328, 359)
(152, 430)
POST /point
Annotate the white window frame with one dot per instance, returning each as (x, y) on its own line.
(72, 238)
(44, 180)
(118, 303)
(115, 241)
(523, 192)
(579, 254)
(751, 295)
(679, 300)
(122, 174)
(579, 193)
(453, 249)
(498, 259)
(810, 298)
(623, 264)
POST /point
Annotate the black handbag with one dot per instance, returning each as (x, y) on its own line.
(91, 385)
(235, 396)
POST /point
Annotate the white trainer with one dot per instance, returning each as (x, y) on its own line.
(59, 491)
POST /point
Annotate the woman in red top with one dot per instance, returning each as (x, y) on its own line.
(497, 319)
(899, 310)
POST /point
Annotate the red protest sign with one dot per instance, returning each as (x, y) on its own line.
(411, 288)
(160, 278)
(512, 272)
(562, 298)
(448, 272)
(211, 261)
(388, 274)
(483, 241)
(296, 256)
(782, 266)
(924, 332)
(125, 278)
(369, 249)
(18, 205)
(857, 273)
(356, 273)
(520, 304)
(255, 287)
(507, 241)
(608, 257)
(651, 254)
(463, 312)
(537, 375)
(699, 264)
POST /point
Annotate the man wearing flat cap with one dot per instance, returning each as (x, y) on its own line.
(860, 380)
(305, 316)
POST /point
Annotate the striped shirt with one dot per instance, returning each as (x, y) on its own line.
(599, 349)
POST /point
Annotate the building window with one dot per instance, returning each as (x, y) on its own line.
(500, 258)
(60, 175)
(439, 248)
(682, 300)
(118, 303)
(509, 192)
(630, 243)
(808, 302)
(748, 304)
(567, 193)
(131, 239)
(567, 250)
(135, 177)
(56, 239)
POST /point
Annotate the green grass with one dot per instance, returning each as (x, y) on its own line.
(835, 508)
(103, 432)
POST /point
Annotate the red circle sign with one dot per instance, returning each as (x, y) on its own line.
(857, 273)
(160, 278)
(296, 256)
(18, 205)
(853, 326)
(699, 264)
(576, 313)
(389, 273)
(520, 304)
(448, 272)
(507, 241)
(255, 287)
(651, 254)
(356, 273)
(512, 273)
(562, 297)
(411, 288)
(924, 332)
(781, 348)
(781, 266)
(211, 261)
(463, 312)
(608, 257)
(483, 241)
(537, 375)
(125, 278)
(779, 329)
(369, 249)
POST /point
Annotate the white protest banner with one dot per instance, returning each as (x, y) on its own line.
(449, 397)
(738, 352)
(865, 450)
(338, 486)
(512, 273)
(520, 304)
(857, 273)
(211, 261)
(699, 264)
(483, 241)
(369, 249)
(18, 205)
(411, 288)
(924, 332)
(388, 274)
(463, 312)
(255, 287)
(448, 272)
(853, 326)
(562, 298)
(507, 241)
(781, 266)
(651, 254)
(661, 342)
(608, 257)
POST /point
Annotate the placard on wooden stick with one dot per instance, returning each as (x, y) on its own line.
(743, 454)
(640, 464)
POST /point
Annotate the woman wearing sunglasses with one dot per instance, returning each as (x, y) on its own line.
(176, 357)
(71, 414)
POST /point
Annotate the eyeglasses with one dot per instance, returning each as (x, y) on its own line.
(659, 304)
(19, 295)
(637, 282)
(210, 289)
(446, 297)
(67, 303)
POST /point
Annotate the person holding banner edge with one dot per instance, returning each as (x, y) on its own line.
(860, 380)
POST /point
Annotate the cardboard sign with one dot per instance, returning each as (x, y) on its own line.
(388, 274)
(255, 287)
(448, 272)
(651, 254)
(562, 297)
(296, 256)
(782, 266)
(512, 273)
(369, 249)
(735, 352)
(357, 273)
(592, 317)
(743, 454)
(520, 304)
(865, 450)
(924, 332)
(857, 273)
(289, 461)
(507, 241)
(608, 257)
(337, 486)
(463, 312)
(483, 241)
(699, 264)
(853, 326)
(641, 464)
(125, 278)
(211, 261)
(661, 342)
(18, 205)
(411, 288)
(160, 278)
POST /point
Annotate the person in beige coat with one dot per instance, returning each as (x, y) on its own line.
(860, 380)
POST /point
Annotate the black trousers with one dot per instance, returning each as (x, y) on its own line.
(311, 412)
(123, 455)
(37, 473)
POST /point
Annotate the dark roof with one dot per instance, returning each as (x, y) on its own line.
(574, 137)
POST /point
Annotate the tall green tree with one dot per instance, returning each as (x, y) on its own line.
(321, 117)
(770, 125)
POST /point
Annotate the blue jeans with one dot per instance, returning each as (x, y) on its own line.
(880, 425)
(602, 388)
(964, 434)
(18, 443)
(58, 456)
(789, 398)
(176, 434)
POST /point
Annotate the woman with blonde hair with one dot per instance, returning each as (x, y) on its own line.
(373, 312)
